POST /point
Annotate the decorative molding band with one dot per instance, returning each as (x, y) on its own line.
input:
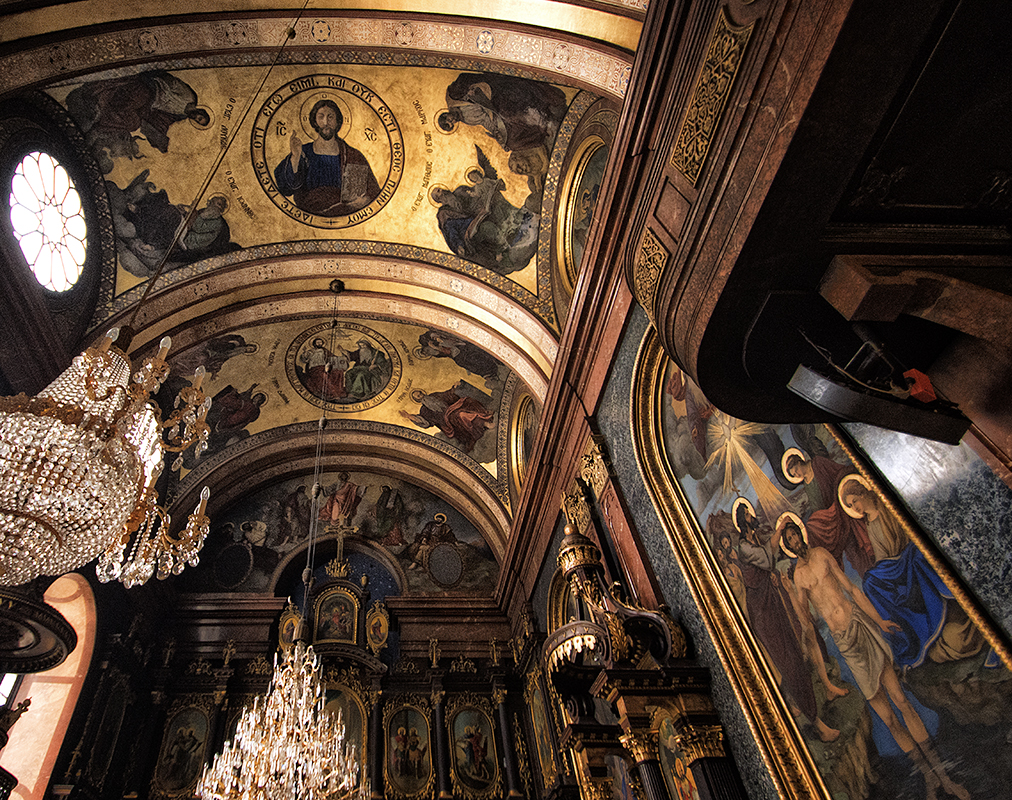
(723, 58)
(406, 41)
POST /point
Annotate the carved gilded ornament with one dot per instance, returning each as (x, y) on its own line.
(679, 642)
(437, 697)
(575, 507)
(650, 265)
(498, 696)
(461, 664)
(337, 568)
(594, 467)
(199, 667)
(523, 759)
(709, 99)
(595, 788)
(620, 644)
(701, 741)
(642, 745)
(258, 666)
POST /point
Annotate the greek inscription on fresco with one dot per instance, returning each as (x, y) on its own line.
(327, 151)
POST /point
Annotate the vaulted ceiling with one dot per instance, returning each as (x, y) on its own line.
(475, 137)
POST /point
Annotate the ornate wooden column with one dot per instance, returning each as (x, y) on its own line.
(642, 746)
(716, 777)
(376, 744)
(509, 754)
(439, 732)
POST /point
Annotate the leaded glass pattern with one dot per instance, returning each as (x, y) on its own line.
(48, 221)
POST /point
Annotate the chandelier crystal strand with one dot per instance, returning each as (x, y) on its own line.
(286, 746)
(78, 467)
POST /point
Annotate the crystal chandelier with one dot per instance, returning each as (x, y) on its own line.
(286, 746)
(78, 466)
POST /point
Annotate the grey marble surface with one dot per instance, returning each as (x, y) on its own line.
(615, 423)
(958, 501)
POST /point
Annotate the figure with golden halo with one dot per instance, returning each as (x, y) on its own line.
(904, 587)
(857, 628)
(775, 619)
(327, 176)
(828, 526)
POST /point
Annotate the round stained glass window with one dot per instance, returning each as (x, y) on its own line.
(48, 221)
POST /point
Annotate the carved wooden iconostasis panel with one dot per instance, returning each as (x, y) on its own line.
(408, 767)
(824, 598)
(474, 764)
(184, 746)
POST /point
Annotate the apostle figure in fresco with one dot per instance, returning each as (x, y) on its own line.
(857, 628)
(110, 111)
(461, 413)
(343, 503)
(387, 514)
(231, 413)
(775, 619)
(296, 511)
(467, 356)
(436, 531)
(481, 225)
(147, 223)
(324, 371)
(327, 176)
(371, 371)
(828, 526)
(519, 114)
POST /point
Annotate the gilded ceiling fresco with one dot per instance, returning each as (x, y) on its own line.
(443, 166)
(428, 382)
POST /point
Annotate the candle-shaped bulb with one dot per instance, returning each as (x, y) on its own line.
(198, 376)
(111, 336)
(205, 495)
(163, 347)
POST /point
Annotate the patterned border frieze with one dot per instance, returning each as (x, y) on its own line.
(723, 58)
(371, 41)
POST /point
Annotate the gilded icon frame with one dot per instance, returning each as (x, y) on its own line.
(470, 715)
(780, 742)
(410, 713)
(330, 601)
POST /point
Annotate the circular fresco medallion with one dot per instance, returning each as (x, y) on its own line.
(327, 150)
(345, 368)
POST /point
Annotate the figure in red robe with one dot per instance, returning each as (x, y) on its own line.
(828, 526)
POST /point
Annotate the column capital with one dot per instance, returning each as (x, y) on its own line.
(642, 745)
(701, 741)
